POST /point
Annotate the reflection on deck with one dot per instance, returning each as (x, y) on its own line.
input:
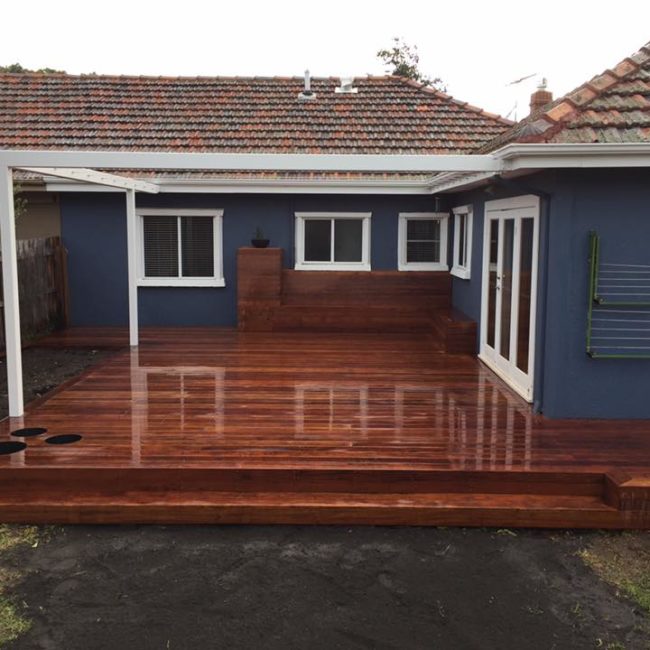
(225, 399)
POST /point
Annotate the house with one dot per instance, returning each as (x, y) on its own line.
(512, 253)
(409, 232)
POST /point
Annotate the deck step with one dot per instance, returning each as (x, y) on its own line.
(66, 481)
(161, 507)
(346, 318)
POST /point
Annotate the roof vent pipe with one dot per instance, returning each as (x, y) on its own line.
(347, 86)
(307, 93)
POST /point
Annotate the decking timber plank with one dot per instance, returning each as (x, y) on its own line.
(71, 481)
(330, 402)
(321, 508)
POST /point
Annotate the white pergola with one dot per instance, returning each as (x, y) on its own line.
(450, 170)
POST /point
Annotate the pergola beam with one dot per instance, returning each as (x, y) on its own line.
(251, 161)
(95, 177)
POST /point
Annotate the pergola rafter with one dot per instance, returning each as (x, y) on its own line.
(74, 165)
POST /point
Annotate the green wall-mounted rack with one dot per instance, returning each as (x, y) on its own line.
(618, 317)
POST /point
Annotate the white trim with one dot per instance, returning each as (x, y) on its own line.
(249, 161)
(454, 180)
(564, 155)
(94, 177)
(513, 203)
(181, 282)
(302, 265)
(217, 280)
(10, 293)
(132, 265)
(419, 187)
(463, 271)
(515, 208)
(402, 263)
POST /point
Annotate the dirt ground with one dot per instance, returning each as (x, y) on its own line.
(45, 368)
(316, 587)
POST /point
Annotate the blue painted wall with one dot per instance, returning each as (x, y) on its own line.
(615, 203)
(94, 231)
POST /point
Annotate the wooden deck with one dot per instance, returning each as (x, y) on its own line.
(209, 425)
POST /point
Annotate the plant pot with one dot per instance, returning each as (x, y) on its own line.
(260, 243)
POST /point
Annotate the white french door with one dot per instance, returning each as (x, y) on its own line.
(509, 290)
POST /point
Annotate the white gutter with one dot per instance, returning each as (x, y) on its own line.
(573, 155)
(532, 157)
(457, 170)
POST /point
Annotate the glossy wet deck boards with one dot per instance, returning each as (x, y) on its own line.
(326, 418)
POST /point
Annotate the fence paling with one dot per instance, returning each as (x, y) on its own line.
(42, 286)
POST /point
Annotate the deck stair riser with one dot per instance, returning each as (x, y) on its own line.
(357, 481)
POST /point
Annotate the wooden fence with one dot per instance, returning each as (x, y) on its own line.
(42, 287)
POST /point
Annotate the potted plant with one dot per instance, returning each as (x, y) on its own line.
(259, 241)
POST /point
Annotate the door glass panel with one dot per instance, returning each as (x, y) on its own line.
(506, 286)
(492, 281)
(525, 284)
(318, 240)
(348, 237)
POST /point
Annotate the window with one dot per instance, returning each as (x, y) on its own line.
(462, 265)
(181, 248)
(422, 241)
(333, 241)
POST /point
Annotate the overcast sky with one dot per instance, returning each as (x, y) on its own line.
(478, 48)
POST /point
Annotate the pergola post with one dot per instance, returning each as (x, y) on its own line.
(10, 288)
(132, 249)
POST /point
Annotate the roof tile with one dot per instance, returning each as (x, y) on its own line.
(237, 114)
(612, 107)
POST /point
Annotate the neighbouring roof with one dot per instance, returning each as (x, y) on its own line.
(612, 107)
(388, 115)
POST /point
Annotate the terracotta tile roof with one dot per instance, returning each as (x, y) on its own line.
(612, 107)
(236, 114)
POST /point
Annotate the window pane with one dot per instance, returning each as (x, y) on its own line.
(197, 243)
(419, 229)
(160, 247)
(422, 240)
(422, 251)
(462, 240)
(318, 240)
(348, 240)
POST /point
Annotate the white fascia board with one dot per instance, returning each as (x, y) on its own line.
(264, 186)
(94, 177)
(250, 161)
(448, 182)
(579, 155)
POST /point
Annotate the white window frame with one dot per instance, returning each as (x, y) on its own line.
(402, 263)
(217, 280)
(463, 271)
(302, 265)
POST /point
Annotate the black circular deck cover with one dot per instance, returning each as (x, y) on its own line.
(29, 433)
(11, 447)
(63, 439)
